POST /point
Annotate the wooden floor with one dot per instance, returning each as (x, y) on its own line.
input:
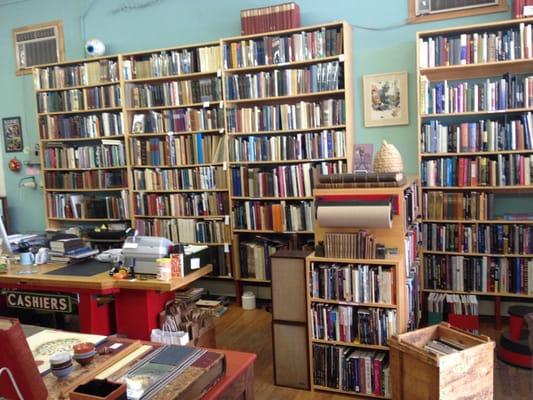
(250, 331)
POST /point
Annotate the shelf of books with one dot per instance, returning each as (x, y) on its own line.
(289, 117)
(476, 159)
(362, 286)
(83, 154)
(176, 135)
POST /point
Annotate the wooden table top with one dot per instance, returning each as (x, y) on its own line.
(101, 281)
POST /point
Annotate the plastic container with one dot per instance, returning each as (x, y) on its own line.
(248, 301)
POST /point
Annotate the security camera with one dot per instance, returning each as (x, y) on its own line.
(94, 48)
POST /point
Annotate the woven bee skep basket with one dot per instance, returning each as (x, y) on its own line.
(388, 159)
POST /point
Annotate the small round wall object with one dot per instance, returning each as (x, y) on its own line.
(14, 164)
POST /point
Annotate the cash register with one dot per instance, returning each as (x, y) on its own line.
(141, 253)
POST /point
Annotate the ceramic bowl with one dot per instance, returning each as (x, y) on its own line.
(81, 348)
(60, 358)
(63, 372)
(86, 358)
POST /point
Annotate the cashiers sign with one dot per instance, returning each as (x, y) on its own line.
(39, 301)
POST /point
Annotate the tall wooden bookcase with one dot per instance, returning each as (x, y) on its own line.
(333, 304)
(83, 154)
(475, 130)
(277, 107)
(177, 147)
(289, 116)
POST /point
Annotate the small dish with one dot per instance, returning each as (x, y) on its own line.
(63, 372)
(84, 347)
(60, 358)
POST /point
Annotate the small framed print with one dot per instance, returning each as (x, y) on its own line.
(385, 99)
(12, 134)
(363, 155)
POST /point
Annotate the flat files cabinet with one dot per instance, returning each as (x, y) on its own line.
(289, 319)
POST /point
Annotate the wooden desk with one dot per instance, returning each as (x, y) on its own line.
(238, 383)
(137, 302)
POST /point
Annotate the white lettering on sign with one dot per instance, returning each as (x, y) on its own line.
(39, 301)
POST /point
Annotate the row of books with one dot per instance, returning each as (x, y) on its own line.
(271, 18)
(300, 46)
(353, 283)
(81, 206)
(505, 170)
(79, 99)
(315, 78)
(281, 181)
(181, 204)
(492, 94)
(350, 324)
(519, 8)
(299, 146)
(172, 62)
(185, 230)
(460, 206)
(254, 258)
(464, 304)
(196, 178)
(80, 126)
(86, 179)
(179, 120)
(278, 217)
(176, 93)
(110, 153)
(483, 135)
(512, 43)
(179, 150)
(301, 115)
(360, 179)
(351, 370)
(478, 238)
(361, 244)
(220, 261)
(480, 274)
(87, 73)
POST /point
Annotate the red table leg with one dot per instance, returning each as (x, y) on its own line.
(94, 318)
(137, 311)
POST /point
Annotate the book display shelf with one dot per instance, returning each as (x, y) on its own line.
(476, 150)
(175, 129)
(83, 154)
(289, 117)
(356, 304)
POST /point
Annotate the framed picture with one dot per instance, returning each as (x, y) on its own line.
(12, 134)
(385, 99)
(363, 155)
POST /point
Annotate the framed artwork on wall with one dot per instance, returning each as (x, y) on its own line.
(12, 134)
(385, 99)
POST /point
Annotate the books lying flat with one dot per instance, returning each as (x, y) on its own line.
(173, 372)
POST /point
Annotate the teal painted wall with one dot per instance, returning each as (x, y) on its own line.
(176, 22)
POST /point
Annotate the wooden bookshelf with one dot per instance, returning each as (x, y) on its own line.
(391, 304)
(175, 92)
(243, 96)
(472, 67)
(88, 92)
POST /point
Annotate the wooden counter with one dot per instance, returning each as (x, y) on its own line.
(137, 303)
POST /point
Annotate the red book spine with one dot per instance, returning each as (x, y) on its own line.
(377, 377)
(16, 355)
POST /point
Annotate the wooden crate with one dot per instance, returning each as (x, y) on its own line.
(420, 375)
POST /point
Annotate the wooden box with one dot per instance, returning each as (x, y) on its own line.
(420, 375)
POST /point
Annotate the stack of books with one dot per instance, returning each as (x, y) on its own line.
(216, 307)
(69, 248)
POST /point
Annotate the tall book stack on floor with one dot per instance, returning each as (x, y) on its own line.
(288, 119)
(175, 128)
(83, 155)
(476, 159)
(362, 290)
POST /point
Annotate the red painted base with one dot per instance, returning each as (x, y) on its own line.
(137, 311)
(516, 359)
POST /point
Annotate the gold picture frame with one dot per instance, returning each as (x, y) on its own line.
(385, 99)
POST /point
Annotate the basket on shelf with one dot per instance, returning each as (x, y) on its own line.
(388, 159)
